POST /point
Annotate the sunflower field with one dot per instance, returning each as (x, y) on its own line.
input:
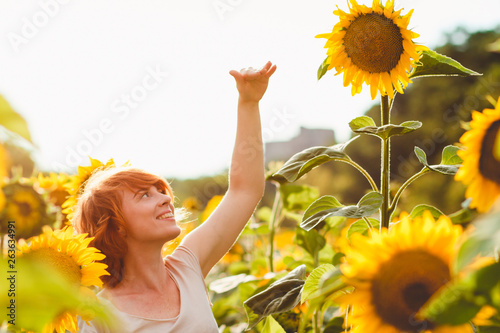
(384, 257)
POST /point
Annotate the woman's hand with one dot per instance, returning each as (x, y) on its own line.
(252, 83)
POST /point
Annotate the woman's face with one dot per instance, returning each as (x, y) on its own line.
(149, 215)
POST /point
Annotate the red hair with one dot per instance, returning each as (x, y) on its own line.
(99, 212)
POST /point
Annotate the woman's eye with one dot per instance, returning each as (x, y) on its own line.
(145, 195)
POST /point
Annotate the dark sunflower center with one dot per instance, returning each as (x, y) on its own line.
(489, 166)
(24, 208)
(62, 262)
(374, 43)
(404, 283)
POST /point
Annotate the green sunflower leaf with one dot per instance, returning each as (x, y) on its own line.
(450, 157)
(361, 227)
(422, 157)
(228, 283)
(335, 325)
(272, 326)
(461, 216)
(360, 122)
(306, 160)
(310, 240)
(420, 209)
(276, 178)
(367, 126)
(12, 120)
(281, 296)
(312, 284)
(435, 64)
(323, 68)
(327, 206)
(331, 282)
(450, 161)
(321, 204)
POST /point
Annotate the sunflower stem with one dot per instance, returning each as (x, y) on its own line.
(272, 225)
(385, 165)
(368, 224)
(316, 321)
(404, 186)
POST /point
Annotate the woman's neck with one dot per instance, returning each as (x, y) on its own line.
(144, 270)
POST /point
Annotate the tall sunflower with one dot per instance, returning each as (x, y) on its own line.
(74, 259)
(373, 46)
(76, 184)
(480, 170)
(395, 273)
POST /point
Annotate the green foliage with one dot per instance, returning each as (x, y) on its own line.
(272, 326)
(310, 240)
(335, 325)
(420, 209)
(330, 206)
(435, 64)
(312, 284)
(13, 121)
(323, 68)
(301, 163)
(298, 197)
(282, 295)
(366, 125)
(450, 161)
(40, 294)
(363, 226)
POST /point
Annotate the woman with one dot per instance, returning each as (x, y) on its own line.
(131, 215)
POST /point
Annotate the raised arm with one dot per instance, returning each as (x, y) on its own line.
(218, 233)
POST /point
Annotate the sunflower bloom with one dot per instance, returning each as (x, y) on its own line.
(396, 272)
(73, 258)
(54, 184)
(480, 169)
(373, 46)
(76, 184)
(24, 205)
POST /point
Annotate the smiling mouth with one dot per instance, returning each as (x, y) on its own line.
(165, 216)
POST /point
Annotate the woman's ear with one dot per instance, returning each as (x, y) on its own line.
(122, 232)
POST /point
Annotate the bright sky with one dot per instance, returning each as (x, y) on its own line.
(147, 81)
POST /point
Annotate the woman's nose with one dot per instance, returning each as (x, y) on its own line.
(165, 199)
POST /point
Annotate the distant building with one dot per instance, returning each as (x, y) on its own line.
(283, 150)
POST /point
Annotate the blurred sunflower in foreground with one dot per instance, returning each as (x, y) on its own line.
(74, 259)
(396, 272)
(480, 170)
(26, 207)
(373, 46)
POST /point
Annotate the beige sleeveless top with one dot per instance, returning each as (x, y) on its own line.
(195, 313)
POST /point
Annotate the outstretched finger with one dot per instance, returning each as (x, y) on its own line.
(271, 71)
(265, 68)
(237, 75)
